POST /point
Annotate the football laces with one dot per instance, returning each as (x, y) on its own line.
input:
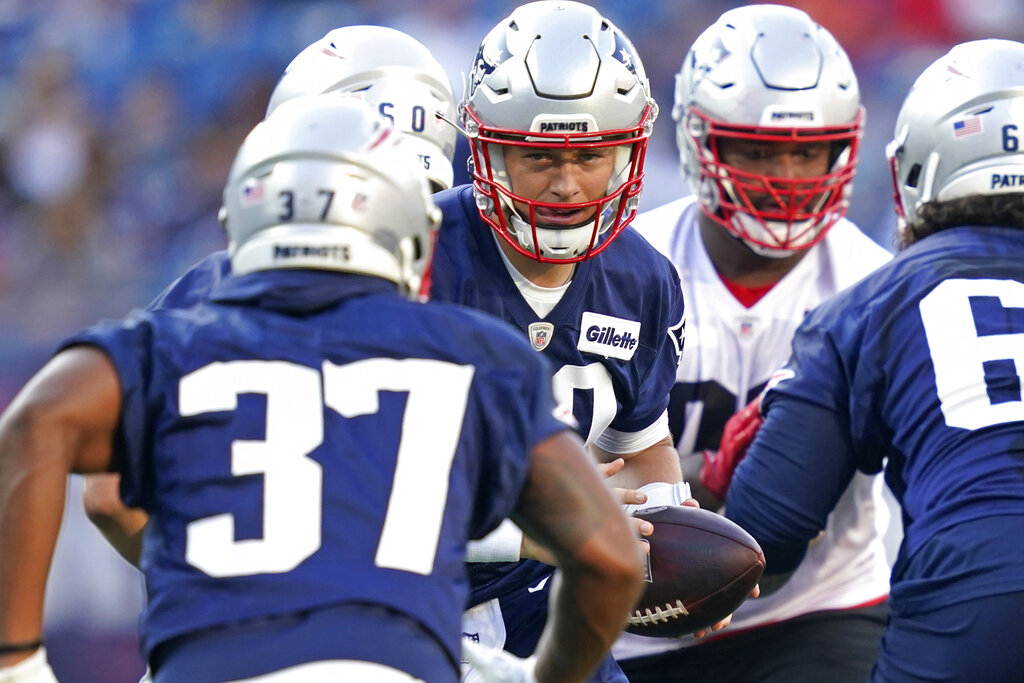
(658, 615)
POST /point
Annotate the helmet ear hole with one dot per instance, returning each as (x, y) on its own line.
(914, 176)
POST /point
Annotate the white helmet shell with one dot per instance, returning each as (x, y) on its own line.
(557, 74)
(960, 130)
(768, 73)
(392, 71)
(324, 183)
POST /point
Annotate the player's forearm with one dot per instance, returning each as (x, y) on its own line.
(589, 609)
(567, 507)
(62, 421)
(657, 463)
(784, 490)
(33, 482)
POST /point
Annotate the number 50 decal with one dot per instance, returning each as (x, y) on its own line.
(292, 511)
(959, 354)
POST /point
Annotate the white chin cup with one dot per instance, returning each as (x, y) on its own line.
(554, 243)
(762, 234)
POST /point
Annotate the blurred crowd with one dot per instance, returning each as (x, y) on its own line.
(119, 119)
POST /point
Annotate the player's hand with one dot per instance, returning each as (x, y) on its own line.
(629, 497)
(737, 436)
(724, 622)
(498, 666)
(32, 670)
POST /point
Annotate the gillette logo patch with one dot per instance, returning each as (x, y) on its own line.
(610, 337)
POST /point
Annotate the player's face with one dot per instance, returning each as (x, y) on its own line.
(559, 176)
(784, 160)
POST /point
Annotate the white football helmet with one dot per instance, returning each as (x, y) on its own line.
(324, 183)
(768, 73)
(556, 74)
(960, 130)
(392, 71)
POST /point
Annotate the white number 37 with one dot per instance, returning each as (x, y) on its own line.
(292, 481)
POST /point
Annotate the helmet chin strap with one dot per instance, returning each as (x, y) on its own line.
(523, 232)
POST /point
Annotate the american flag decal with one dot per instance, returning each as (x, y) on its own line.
(252, 192)
(969, 126)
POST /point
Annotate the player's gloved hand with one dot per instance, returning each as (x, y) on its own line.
(737, 436)
(498, 666)
(32, 670)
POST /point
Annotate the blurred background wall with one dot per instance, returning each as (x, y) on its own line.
(119, 118)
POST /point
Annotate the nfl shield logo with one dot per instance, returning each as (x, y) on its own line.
(540, 335)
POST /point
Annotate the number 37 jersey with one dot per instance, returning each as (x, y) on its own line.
(331, 446)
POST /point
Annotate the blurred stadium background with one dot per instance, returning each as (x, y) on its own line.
(119, 119)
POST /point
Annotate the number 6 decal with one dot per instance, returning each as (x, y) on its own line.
(959, 353)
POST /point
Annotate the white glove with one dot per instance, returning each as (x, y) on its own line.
(32, 670)
(498, 666)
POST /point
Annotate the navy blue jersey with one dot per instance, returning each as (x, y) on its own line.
(614, 338)
(917, 370)
(194, 286)
(307, 439)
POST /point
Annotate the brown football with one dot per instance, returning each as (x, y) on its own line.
(701, 568)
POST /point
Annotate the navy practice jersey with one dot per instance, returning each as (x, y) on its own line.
(919, 363)
(194, 286)
(614, 338)
(309, 439)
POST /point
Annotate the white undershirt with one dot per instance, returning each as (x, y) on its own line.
(541, 299)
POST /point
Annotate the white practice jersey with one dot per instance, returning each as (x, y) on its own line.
(730, 353)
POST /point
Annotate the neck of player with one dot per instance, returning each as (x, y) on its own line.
(541, 274)
(738, 263)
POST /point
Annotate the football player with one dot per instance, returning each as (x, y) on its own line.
(391, 71)
(917, 370)
(312, 449)
(768, 123)
(558, 112)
